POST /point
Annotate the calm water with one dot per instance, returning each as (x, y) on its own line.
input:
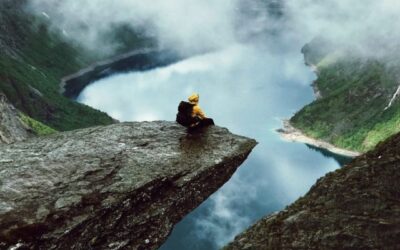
(247, 88)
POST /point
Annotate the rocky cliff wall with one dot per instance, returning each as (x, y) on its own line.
(355, 207)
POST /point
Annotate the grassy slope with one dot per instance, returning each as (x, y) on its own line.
(37, 127)
(351, 113)
(34, 59)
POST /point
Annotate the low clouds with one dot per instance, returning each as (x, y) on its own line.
(186, 25)
(366, 27)
(225, 219)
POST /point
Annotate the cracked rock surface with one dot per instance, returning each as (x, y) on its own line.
(355, 207)
(121, 186)
(11, 127)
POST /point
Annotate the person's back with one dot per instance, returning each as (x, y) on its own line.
(184, 116)
(190, 114)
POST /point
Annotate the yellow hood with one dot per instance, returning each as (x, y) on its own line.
(194, 98)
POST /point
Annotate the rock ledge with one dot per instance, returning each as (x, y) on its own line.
(122, 186)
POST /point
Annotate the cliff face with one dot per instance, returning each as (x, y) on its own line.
(121, 186)
(355, 207)
(12, 129)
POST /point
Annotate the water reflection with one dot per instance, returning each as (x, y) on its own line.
(341, 159)
(247, 88)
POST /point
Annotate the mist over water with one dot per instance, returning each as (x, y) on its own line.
(365, 27)
(247, 88)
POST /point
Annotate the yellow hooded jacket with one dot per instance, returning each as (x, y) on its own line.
(194, 100)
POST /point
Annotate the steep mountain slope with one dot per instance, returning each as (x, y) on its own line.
(358, 106)
(355, 207)
(33, 59)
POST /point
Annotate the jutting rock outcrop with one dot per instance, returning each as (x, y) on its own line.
(355, 207)
(121, 186)
(12, 129)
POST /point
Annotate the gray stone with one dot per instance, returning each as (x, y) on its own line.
(355, 207)
(121, 186)
(12, 129)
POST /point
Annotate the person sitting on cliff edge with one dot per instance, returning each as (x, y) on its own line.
(190, 114)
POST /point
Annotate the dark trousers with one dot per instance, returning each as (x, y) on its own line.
(202, 123)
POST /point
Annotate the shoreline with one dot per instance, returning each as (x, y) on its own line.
(102, 63)
(292, 134)
(139, 59)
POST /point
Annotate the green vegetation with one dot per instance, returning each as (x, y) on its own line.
(32, 62)
(35, 92)
(37, 127)
(351, 113)
(33, 59)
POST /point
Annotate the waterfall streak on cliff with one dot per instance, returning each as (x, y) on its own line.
(396, 94)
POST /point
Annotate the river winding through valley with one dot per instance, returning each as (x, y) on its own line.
(247, 88)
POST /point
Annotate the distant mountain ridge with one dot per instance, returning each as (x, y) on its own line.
(358, 104)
